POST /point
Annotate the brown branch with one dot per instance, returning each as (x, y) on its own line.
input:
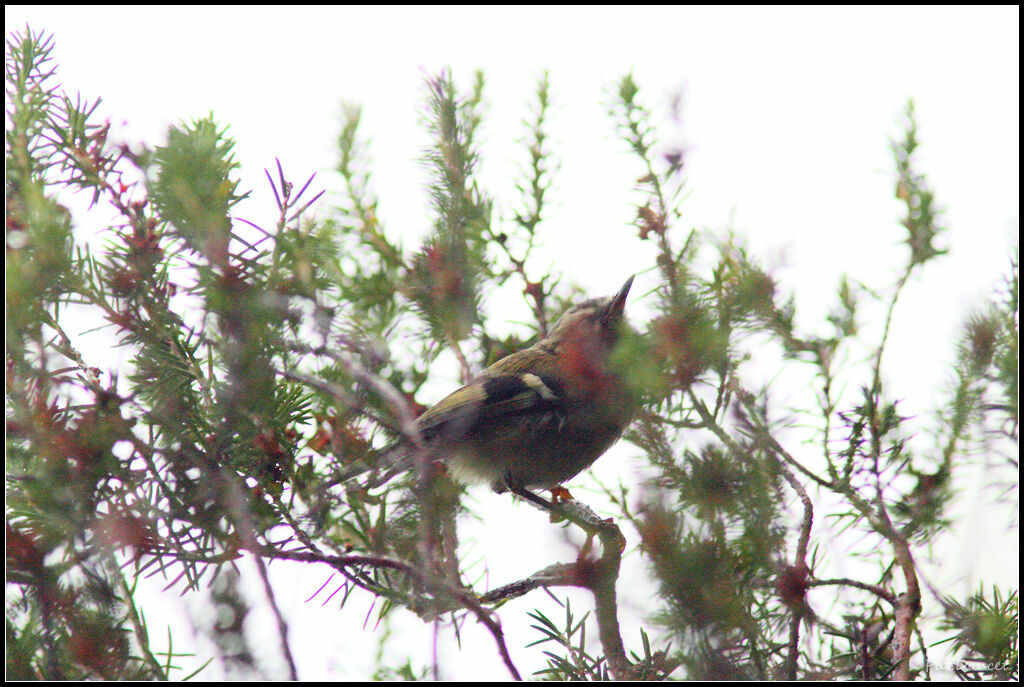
(602, 584)
(599, 576)
(243, 521)
(465, 369)
(908, 604)
(797, 589)
(791, 580)
(282, 625)
(139, 629)
(557, 575)
(880, 592)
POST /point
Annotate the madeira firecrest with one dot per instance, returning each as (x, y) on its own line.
(540, 416)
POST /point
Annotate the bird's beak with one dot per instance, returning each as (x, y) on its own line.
(618, 302)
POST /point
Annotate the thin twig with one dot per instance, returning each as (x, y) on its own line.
(878, 591)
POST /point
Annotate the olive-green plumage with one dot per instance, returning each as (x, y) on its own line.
(540, 416)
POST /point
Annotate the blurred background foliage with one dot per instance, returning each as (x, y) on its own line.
(260, 364)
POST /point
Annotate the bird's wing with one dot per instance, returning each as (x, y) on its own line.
(489, 398)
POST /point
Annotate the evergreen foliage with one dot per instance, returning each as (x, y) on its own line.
(259, 369)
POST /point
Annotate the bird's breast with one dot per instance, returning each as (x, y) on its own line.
(541, 451)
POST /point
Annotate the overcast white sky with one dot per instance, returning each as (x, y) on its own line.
(786, 116)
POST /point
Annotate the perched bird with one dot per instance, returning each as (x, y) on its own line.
(540, 416)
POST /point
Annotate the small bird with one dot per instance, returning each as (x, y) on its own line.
(537, 417)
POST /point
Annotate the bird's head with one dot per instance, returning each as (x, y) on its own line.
(596, 319)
